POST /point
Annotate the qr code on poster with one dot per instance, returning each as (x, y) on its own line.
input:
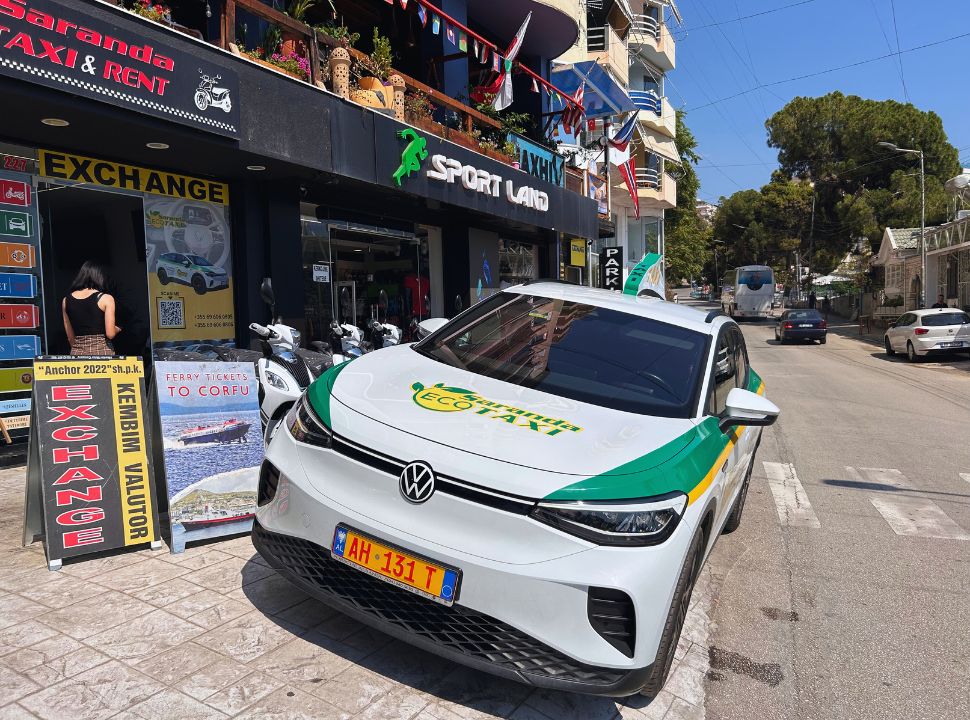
(171, 313)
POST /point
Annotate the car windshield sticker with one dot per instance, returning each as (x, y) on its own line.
(452, 399)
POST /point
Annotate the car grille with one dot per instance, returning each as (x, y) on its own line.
(457, 629)
(518, 504)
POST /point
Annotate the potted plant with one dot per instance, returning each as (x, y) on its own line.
(292, 64)
(339, 33)
(154, 11)
(374, 91)
(294, 43)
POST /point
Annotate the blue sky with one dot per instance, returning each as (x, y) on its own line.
(732, 57)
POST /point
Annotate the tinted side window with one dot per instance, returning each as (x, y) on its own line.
(725, 372)
(740, 359)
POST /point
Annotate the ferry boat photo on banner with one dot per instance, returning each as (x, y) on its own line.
(212, 445)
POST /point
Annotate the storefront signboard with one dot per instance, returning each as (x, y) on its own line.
(17, 255)
(577, 252)
(14, 192)
(18, 285)
(611, 268)
(15, 224)
(59, 45)
(213, 446)
(16, 379)
(539, 161)
(321, 273)
(90, 452)
(20, 405)
(19, 347)
(19, 316)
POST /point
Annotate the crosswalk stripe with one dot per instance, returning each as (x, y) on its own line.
(914, 516)
(965, 476)
(879, 476)
(792, 503)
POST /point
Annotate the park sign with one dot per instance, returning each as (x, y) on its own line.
(611, 268)
(89, 454)
(59, 45)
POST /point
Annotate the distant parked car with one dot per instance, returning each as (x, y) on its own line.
(801, 325)
(929, 332)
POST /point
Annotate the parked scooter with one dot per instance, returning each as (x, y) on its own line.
(346, 342)
(283, 375)
(382, 334)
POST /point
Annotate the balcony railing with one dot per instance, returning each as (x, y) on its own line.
(648, 178)
(646, 25)
(597, 39)
(647, 100)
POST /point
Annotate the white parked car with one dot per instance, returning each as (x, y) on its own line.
(530, 490)
(929, 332)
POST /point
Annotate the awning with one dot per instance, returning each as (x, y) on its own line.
(660, 145)
(603, 95)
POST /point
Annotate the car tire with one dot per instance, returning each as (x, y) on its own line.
(911, 353)
(824, 338)
(733, 521)
(675, 617)
(162, 276)
(889, 347)
(198, 284)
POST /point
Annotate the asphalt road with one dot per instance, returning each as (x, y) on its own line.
(846, 591)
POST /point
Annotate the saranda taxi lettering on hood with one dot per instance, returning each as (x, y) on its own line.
(452, 399)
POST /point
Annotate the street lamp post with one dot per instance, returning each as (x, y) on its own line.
(922, 213)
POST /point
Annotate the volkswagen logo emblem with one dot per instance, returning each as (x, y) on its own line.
(417, 482)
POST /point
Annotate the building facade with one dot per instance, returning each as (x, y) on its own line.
(191, 164)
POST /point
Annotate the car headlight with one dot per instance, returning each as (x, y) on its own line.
(305, 426)
(276, 381)
(626, 522)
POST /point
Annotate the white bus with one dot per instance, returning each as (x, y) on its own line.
(748, 291)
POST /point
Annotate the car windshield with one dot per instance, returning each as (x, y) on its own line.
(755, 279)
(591, 354)
(197, 259)
(945, 318)
(803, 315)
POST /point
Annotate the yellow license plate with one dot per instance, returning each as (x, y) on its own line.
(395, 565)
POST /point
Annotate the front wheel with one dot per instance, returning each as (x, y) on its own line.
(201, 100)
(198, 284)
(889, 347)
(675, 618)
(822, 341)
(733, 521)
(162, 276)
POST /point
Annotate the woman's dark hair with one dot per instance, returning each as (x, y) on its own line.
(91, 275)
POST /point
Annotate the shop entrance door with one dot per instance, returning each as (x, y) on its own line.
(81, 224)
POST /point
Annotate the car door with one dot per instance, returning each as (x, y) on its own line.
(724, 378)
(896, 332)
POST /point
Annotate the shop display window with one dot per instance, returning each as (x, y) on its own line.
(518, 262)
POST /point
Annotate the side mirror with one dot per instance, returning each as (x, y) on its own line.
(430, 325)
(266, 291)
(744, 407)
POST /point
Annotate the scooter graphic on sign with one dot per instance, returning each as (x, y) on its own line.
(207, 94)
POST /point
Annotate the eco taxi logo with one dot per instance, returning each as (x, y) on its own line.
(415, 152)
(441, 398)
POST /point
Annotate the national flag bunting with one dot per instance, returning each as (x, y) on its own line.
(535, 86)
(436, 24)
(462, 42)
(484, 57)
(477, 49)
(628, 172)
(496, 61)
(623, 136)
(572, 116)
(404, 4)
(422, 15)
(503, 98)
(450, 34)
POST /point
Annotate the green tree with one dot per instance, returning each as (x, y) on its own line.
(687, 239)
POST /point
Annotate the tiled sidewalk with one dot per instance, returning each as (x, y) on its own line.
(214, 633)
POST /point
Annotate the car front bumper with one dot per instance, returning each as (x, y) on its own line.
(527, 621)
(216, 283)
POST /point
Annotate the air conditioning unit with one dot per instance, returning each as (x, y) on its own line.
(963, 214)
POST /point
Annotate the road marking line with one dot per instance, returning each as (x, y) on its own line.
(922, 518)
(792, 503)
(965, 476)
(880, 476)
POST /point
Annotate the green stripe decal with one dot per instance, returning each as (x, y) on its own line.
(682, 465)
(320, 390)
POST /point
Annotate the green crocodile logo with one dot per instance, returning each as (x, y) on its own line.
(413, 154)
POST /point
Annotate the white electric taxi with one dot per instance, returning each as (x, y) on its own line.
(530, 490)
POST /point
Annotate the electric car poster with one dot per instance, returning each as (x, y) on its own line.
(189, 263)
(212, 446)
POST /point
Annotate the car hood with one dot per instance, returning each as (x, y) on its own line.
(409, 396)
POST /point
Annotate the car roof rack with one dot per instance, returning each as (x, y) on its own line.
(713, 314)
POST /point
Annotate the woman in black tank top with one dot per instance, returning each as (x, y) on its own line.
(89, 313)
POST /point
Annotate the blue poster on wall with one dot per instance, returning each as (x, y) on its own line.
(19, 347)
(20, 405)
(18, 285)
